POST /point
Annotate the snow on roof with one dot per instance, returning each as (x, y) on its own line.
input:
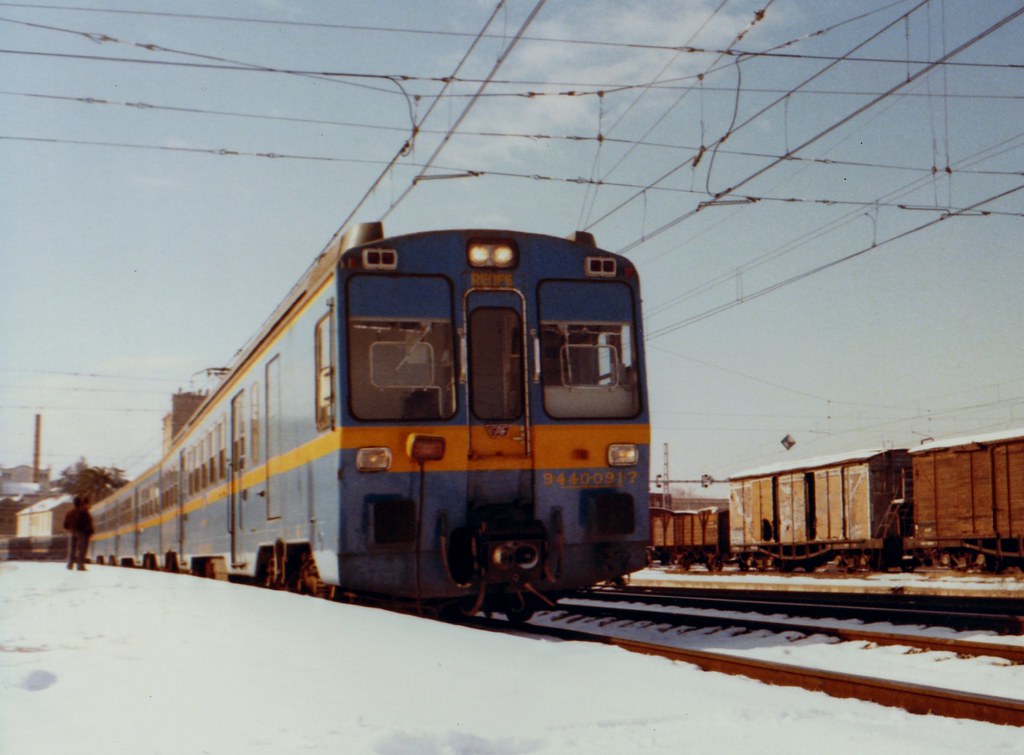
(966, 440)
(47, 504)
(820, 461)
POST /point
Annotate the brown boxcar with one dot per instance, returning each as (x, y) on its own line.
(689, 537)
(969, 500)
(802, 514)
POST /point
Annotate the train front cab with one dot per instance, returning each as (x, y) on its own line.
(494, 433)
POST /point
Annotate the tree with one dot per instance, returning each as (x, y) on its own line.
(94, 483)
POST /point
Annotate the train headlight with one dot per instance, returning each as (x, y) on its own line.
(499, 254)
(623, 455)
(376, 459)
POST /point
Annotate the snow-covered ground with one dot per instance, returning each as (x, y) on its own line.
(124, 661)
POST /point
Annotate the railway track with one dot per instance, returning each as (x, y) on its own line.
(1014, 653)
(914, 698)
(1002, 616)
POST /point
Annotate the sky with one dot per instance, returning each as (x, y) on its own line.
(113, 660)
(824, 200)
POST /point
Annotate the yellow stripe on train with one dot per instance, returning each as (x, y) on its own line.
(554, 447)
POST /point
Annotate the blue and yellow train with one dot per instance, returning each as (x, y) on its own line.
(451, 419)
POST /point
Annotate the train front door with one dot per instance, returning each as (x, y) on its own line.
(499, 444)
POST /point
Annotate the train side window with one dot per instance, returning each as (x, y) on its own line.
(207, 460)
(239, 422)
(254, 424)
(221, 456)
(324, 373)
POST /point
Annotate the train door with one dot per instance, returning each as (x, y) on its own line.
(498, 417)
(185, 471)
(136, 526)
(235, 492)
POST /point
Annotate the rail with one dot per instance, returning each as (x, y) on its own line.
(914, 698)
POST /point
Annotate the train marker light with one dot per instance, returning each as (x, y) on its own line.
(499, 254)
(424, 447)
(600, 267)
(380, 259)
(375, 459)
(622, 455)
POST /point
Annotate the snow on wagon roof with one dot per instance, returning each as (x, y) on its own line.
(813, 463)
(966, 440)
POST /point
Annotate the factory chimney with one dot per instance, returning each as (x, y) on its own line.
(35, 450)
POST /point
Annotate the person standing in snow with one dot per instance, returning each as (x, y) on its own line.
(78, 521)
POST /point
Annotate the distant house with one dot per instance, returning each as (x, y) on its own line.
(23, 473)
(44, 518)
(9, 508)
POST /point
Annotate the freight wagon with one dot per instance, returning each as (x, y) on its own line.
(686, 538)
(969, 501)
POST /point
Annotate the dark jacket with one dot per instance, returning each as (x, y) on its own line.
(79, 520)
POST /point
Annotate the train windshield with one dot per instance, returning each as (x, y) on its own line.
(588, 356)
(400, 350)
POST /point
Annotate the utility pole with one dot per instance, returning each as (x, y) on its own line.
(666, 480)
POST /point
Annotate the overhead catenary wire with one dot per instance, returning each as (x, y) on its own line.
(821, 268)
(888, 199)
(638, 180)
(465, 112)
(407, 146)
(772, 52)
(718, 142)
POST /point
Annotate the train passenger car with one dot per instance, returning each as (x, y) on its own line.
(969, 501)
(690, 537)
(854, 506)
(451, 418)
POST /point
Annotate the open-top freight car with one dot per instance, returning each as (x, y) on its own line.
(969, 501)
(453, 419)
(854, 507)
(686, 538)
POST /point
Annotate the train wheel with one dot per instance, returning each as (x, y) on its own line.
(309, 579)
(519, 609)
(520, 616)
(171, 563)
(271, 578)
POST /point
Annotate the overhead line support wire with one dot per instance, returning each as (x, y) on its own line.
(846, 119)
(745, 123)
(906, 82)
(465, 112)
(455, 127)
(405, 148)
